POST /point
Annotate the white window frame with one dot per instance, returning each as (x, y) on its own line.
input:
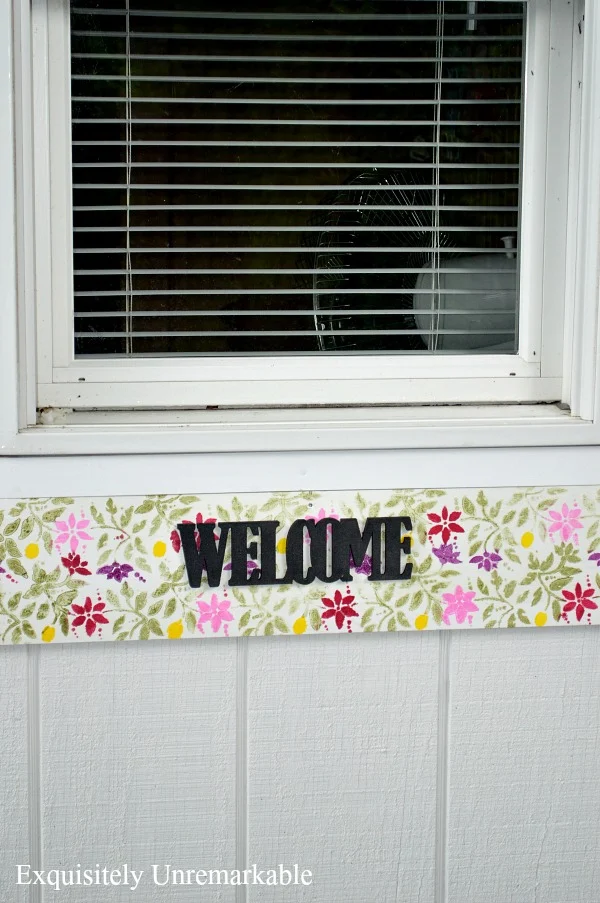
(410, 406)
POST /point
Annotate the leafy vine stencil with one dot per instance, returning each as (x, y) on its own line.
(104, 569)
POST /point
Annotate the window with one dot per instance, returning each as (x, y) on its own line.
(341, 205)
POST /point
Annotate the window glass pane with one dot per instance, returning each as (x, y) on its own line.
(331, 176)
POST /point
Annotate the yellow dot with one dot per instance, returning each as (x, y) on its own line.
(282, 545)
(32, 550)
(526, 540)
(421, 622)
(299, 626)
(175, 630)
(48, 634)
(541, 618)
(159, 549)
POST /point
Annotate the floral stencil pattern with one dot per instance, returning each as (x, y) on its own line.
(94, 570)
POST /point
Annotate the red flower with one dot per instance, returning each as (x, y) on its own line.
(580, 600)
(176, 538)
(88, 614)
(445, 523)
(339, 608)
(75, 565)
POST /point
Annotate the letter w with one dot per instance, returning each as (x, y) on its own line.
(206, 556)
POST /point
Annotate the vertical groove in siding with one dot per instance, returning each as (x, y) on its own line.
(241, 792)
(33, 766)
(443, 738)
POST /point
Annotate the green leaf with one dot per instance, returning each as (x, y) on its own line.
(416, 600)
(482, 498)
(104, 557)
(547, 562)
(559, 583)
(189, 499)
(556, 610)
(48, 542)
(121, 636)
(488, 612)
(523, 617)
(155, 608)
(16, 567)
(118, 623)
(15, 601)
(401, 602)
(103, 540)
(391, 624)
(510, 588)
(190, 621)
(474, 548)
(536, 596)
(28, 611)
(140, 601)
(49, 516)
(244, 619)
(65, 599)
(170, 608)
(512, 556)
(315, 619)
(468, 506)
(28, 630)
(64, 624)
(61, 501)
(508, 517)
(495, 510)
(145, 507)
(490, 624)
(512, 621)
(161, 590)
(145, 632)
(43, 611)
(12, 528)
(281, 625)
(482, 587)
(529, 578)
(370, 628)
(366, 617)
(523, 515)
(26, 527)
(437, 612)
(402, 620)
(155, 627)
(269, 629)
(16, 636)
(425, 565)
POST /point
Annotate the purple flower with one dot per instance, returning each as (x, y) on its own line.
(116, 571)
(488, 560)
(447, 554)
(364, 567)
(250, 566)
(595, 557)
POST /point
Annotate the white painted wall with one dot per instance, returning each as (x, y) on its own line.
(440, 768)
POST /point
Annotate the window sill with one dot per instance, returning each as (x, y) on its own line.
(301, 429)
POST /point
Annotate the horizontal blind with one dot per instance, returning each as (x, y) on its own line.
(330, 176)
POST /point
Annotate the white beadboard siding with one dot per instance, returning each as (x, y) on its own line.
(138, 762)
(524, 794)
(14, 796)
(342, 741)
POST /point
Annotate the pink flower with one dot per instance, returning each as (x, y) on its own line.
(214, 612)
(88, 614)
(320, 515)
(580, 601)
(71, 531)
(460, 604)
(565, 522)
